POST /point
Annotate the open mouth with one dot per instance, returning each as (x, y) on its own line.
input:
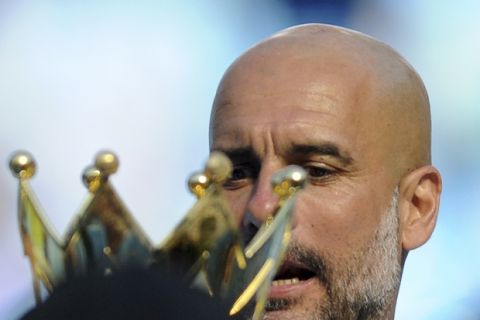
(291, 273)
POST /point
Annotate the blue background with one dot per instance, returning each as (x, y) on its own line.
(138, 77)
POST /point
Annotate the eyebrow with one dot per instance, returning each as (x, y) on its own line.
(323, 149)
(246, 154)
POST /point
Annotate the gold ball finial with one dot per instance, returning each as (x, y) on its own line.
(218, 167)
(106, 162)
(198, 184)
(288, 180)
(22, 165)
(92, 178)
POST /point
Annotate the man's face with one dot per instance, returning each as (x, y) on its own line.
(274, 111)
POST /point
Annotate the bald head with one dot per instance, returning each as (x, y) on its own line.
(375, 93)
(355, 115)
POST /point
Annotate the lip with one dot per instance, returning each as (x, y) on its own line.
(288, 290)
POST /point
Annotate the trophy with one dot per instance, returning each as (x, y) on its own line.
(206, 248)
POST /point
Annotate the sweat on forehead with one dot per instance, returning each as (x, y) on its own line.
(365, 77)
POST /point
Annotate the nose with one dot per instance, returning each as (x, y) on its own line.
(261, 205)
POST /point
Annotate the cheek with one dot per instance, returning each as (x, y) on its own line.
(238, 200)
(334, 220)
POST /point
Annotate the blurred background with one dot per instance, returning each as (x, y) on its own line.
(138, 77)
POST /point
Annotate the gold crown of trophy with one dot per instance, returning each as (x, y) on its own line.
(206, 246)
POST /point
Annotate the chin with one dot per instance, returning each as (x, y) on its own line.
(303, 300)
(279, 314)
(295, 312)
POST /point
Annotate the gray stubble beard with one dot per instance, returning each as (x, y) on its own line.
(362, 286)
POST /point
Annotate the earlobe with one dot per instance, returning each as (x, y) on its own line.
(418, 205)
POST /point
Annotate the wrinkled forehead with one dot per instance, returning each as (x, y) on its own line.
(276, 88)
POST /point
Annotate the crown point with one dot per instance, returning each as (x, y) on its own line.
(92, 178)
(106, 162)
(218, 167)
(198, 184)
(288, 180)
(22, 165)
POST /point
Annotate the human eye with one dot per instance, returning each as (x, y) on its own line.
(241, 176)
(319, 173)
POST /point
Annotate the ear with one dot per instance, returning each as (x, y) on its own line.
(418, 205)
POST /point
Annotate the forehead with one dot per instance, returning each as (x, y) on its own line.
(296, 98)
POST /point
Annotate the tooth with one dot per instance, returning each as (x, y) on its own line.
(282, 282)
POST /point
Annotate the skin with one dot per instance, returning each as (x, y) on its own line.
(356, 116)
